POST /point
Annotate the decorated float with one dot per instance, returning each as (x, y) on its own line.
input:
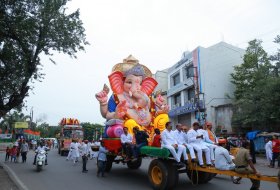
(133, 102)
(70, 129)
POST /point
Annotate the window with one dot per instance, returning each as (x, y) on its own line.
(176, 79)
(191, 93)
(177, 99)
(189, 70)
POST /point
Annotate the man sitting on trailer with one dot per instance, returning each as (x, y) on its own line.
(186, 143)
(179, 135)
(242, 161)
(127, 146)
(223, 161)
(195, 139)
(140, 140)
(169, 141)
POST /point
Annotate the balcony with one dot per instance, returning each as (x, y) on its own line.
(181, 86)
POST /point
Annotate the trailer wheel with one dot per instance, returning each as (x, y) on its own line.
(162, 175)
(109, 163)
(198, 177)
(173, 175)
(134, 165)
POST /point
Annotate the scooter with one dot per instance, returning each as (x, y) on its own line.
(40, 160)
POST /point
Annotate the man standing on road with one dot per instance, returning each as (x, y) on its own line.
(242, 161)
(84, 153)
(101, 160)
(24, 149)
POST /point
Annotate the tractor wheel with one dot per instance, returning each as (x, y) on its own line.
(134, 165)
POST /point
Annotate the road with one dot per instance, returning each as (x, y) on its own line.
(63, 175)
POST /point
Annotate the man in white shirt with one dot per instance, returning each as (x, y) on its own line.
(207, 142)
(126, 140)
(179, 136)
(186, 143)
(223, 160)
(169, 141)
(195, 138)
(84, 152)
(268, 150)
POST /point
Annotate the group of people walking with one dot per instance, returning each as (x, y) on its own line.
(20, 147)
(84, 150)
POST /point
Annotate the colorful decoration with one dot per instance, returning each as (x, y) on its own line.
(69, 121)
(132, 101)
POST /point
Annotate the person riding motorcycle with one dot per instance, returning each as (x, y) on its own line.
(39, 148)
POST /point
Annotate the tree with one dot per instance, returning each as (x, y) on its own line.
(246, 78)
(257, 93)
(9, 120)
(28, 29)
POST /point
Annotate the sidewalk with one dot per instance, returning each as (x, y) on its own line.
(6, 183)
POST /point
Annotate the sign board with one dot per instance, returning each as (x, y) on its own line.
(5, 136)
(21, 125)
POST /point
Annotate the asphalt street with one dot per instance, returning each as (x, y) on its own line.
(64, 175)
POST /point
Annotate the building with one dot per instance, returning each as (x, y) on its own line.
(199, 87)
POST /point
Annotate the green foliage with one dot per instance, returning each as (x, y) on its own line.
(9, 120)
(47, 131)
(257, 93)
(27, 29)
(92, 131)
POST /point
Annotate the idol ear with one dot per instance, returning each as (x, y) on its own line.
(148, 85)
(116, 82)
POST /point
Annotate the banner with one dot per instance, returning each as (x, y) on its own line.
(21, 125)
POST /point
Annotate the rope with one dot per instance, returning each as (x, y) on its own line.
(192, 170)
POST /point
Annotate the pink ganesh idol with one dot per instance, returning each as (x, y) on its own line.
(131, 103)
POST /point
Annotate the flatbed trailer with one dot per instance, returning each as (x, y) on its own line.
(163, 171)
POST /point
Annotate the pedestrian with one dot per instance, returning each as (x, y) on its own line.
(24, 148)
(85, 153)
(13, 153)
(268, 150)
(275, 151)
(253, 151)
(101, 160)
(7, 154)
(244, 165)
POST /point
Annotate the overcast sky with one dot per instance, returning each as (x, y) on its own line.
(156, 32)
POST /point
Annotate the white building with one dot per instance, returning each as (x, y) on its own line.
(199, 86)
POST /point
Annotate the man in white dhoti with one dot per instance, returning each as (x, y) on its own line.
(268, 150)
(169, 141)
(179, 136)
(71, 147)
(195, 139)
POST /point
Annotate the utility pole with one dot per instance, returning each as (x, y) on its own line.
(31, 118)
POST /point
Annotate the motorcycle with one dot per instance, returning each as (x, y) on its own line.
(40, 160)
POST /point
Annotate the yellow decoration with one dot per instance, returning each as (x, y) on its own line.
(130, 123)
(160, 121)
